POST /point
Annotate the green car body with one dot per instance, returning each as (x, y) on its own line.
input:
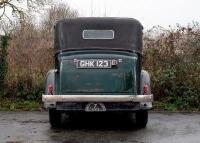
(122, 79)
(98, 69)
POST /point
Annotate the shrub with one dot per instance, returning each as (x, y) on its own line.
(30, 55)
(173, 59)
(3, 61)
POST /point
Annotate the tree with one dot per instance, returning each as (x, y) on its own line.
(3, 60)
(19, 8)
(56, 13)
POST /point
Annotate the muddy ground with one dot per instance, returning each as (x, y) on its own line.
(33, 127)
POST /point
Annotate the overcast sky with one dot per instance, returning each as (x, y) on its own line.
(149, 12)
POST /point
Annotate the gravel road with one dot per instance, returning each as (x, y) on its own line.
(33, 127)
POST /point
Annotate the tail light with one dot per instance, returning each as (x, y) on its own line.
(145, 89)
(50, 89)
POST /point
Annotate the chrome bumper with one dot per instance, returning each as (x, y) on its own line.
(97, 98)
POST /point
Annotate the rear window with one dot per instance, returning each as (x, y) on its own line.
(98, 34)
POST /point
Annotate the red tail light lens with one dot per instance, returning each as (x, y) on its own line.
(145, 89)
(50, 89)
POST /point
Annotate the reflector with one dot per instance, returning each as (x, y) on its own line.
(50, 89)
(145, 89)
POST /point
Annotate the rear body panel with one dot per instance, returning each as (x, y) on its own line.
(123, 78)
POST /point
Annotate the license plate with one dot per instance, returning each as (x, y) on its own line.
(93, 63)
(95, 107)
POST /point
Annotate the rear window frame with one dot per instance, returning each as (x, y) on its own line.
(98, 38)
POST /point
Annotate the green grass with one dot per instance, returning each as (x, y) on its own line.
(20, 105)
(7, 104)
(162, 106)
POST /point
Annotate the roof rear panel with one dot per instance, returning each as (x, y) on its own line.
(127, 34)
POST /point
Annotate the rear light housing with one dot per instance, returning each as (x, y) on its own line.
(50, 89)
(145, 89)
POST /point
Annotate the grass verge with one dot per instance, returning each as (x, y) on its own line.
(7, 104)
(161, 106)
(20, 105)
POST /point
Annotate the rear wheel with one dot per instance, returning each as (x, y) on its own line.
(54, 118)
(141, 118)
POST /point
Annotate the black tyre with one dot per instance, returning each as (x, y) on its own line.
(141, 118)
(54, 118)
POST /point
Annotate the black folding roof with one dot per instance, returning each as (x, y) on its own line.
(127, 34)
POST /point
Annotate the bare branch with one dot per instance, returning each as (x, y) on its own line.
(56, 13)
(17, 10)
(4, 9)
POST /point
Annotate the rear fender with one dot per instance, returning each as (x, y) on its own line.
(145, 79)
(50, 80)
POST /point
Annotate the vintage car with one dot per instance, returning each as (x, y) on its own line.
(98, 69)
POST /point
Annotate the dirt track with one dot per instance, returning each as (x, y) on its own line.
(20, 127)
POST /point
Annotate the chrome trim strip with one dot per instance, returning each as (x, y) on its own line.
(97, 98)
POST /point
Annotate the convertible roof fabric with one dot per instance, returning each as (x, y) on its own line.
(127, 34)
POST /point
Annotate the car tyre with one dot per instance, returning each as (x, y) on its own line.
(54, 118)
(141, 118)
